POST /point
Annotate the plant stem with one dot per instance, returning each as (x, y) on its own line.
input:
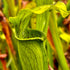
(4, 64)
(19, 4)
(43, 19)
(68, 5)
(40, 19)
(11, 6)
(57, 42)
(5, 8)
(48, 1)
(47, 15)
(49, 50)
(45, 29)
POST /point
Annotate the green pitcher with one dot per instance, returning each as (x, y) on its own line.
(32, 51)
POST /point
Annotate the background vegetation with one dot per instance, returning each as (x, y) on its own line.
(34, 34)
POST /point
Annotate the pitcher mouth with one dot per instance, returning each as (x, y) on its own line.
(38, 35)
